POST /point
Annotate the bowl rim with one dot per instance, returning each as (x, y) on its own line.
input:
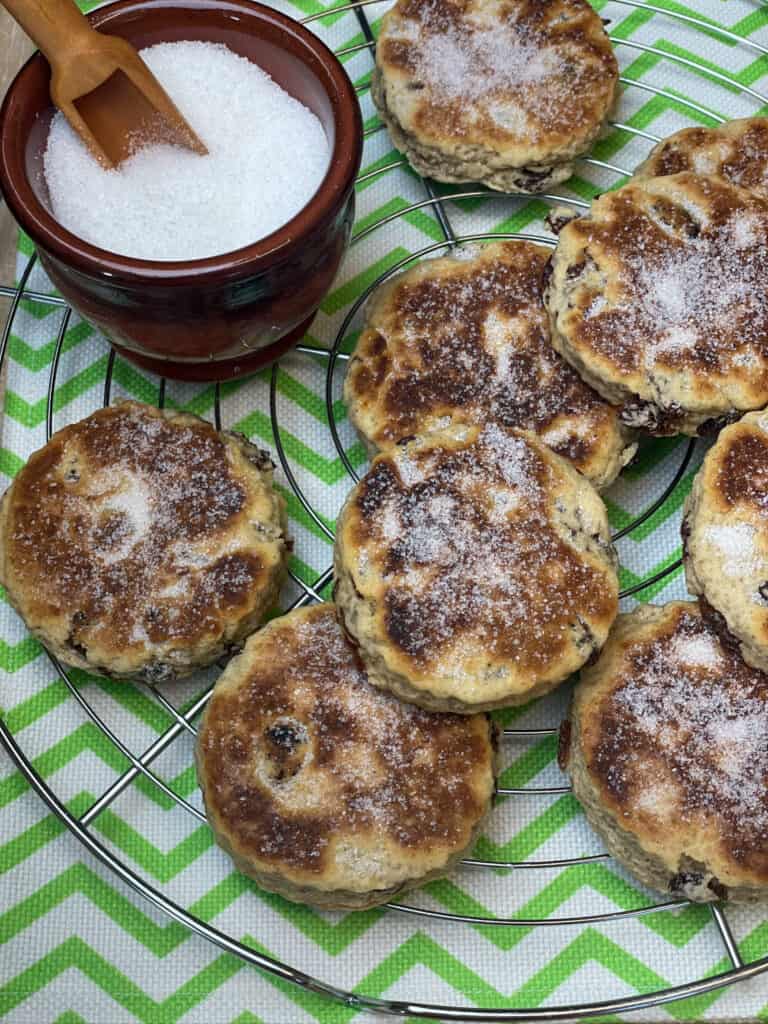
(57, 241)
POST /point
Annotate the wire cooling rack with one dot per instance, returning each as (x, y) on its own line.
(440, 201)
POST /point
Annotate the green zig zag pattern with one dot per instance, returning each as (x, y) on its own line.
(386, 950)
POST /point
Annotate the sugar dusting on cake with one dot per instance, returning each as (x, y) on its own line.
(691, 281)
(471, 339)
(688, 723)
(527, 76)
(699, 650)
(141, 507)
(476, 62)
(736, 550)
(371, 768)
(478, 580)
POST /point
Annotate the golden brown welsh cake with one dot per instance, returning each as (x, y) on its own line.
(736, 151)
(668, 753)
(659, 298)
(466, 337)
(323, 788)
(474, 569)
(507, 92)
(142, 543)
(725, 529)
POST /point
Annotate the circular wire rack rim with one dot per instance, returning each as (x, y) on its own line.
(428, 1011)
(183, 720)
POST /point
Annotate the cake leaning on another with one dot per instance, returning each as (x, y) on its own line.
(141, 543)
(505, 94)
(736, 151)
(659, 298)
(667, 749)
(474, 569)
(466, 337)
(725, 537)
(326, 790)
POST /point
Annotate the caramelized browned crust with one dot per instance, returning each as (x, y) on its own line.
(736, 151)
(325, 789)
(515, 84)
(726, 551)
(669, 755)
(474, 569)
(141, 542)
(659, 299)
(466, 337)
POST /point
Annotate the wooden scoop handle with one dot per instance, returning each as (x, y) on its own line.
(56, 26)
(100, 83)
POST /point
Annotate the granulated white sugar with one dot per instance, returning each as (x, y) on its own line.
(267, 155)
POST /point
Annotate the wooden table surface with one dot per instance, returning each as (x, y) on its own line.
(15, 47)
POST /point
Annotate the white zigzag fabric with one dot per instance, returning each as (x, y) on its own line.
(81, 946)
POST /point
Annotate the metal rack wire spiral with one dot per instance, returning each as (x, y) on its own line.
(183, 720)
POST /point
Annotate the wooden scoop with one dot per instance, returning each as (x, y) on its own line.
(100, 84)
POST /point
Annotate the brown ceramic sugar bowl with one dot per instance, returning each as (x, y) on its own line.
(206, 319)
